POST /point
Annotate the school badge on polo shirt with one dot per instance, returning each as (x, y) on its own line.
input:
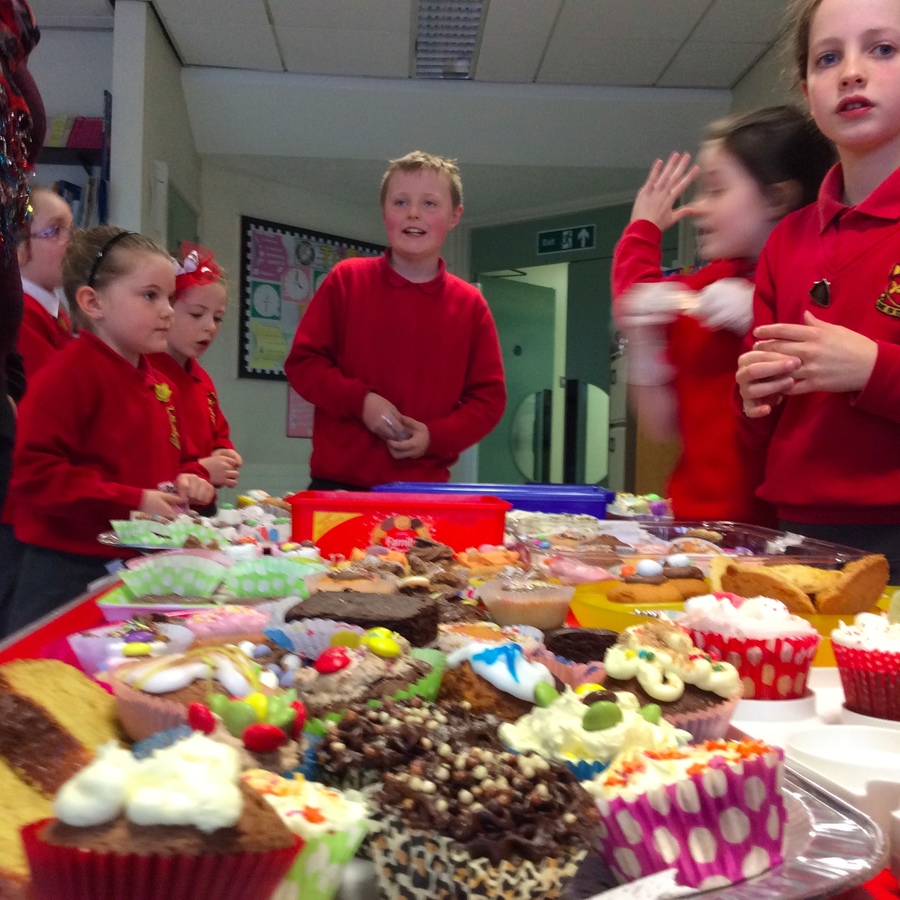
(889, 301)
(164, 395)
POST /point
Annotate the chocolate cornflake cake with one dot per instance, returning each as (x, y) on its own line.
(368, 742)
(415, 618)
(581, 645)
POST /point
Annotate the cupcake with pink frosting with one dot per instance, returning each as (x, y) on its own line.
(771, 648)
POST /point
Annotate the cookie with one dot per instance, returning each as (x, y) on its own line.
(857, 589)
(644, 593)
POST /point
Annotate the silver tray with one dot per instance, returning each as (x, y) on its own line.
(845, 848)
(111, 539)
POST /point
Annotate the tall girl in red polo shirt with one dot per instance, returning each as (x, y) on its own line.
(98, 427)
(684, 333)
(820, 381)
(199, 308)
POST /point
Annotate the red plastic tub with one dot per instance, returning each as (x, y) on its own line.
(338, 521)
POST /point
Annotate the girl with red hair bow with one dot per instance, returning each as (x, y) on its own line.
(199, 305)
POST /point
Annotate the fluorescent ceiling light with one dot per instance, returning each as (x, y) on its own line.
(447, 37)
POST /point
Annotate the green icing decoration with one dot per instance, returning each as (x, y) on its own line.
(545, 694)
(237, 715)
(652, 713)
(601, 715)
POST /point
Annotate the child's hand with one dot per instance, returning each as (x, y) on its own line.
(222, 471)
(236, 459)
(195, 490)
(666, 182)
(415, 446)
(727, 303)
(653, 303)
(161, 503)
(764, 378)
(381, 417)
(831, 358)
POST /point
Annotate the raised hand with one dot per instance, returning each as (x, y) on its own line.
(665, 184)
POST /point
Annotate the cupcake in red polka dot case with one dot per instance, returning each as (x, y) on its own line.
(772, 649)
(867, 653)
(713, 812)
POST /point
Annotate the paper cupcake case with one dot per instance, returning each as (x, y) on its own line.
(317, 872)
(706, 724)
(182, 575)
(95, 650)
(142, 714)
(426, 687)
(70, 873)
(871, 681)
(569, 673)
(718, 827)
(416, 865)
(141, 531)
(309, 637)
(772, 669)
(267, 577)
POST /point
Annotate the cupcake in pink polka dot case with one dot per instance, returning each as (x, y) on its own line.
(772, 649)
(714, 812)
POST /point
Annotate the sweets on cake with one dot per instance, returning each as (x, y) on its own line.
(713, 812)
(366, 743)
(772, 649)
(518, 600)
(377, 665)
(855, 588)
(154, 695)
(658, 662)
(481, 823)
(494, 678)
(650, 581)
(178, 824)
(586, 731)
(416, 619)
(867, 653)
(331, 823)
(52, 719)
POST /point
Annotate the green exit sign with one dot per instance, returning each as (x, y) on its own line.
(564, 240)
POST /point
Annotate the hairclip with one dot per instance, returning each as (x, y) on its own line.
(199, 267)
(103, 251)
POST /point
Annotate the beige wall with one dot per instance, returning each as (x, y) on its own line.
(768, 83)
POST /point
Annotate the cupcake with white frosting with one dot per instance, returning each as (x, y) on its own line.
(868, 660)
(772, 648)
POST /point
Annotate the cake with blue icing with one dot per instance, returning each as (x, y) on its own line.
(495, 678)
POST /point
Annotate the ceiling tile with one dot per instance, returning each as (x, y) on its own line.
(589, 61)
(655, 20)
(742, 21)
(331, 51)
(209, 12)
(73, 13)
(514, 39)
(377, 15)
(710, 65)
(230, 45)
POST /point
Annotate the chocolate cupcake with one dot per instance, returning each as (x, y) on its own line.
(580, 645)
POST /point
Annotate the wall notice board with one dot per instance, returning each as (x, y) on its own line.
(281, 267)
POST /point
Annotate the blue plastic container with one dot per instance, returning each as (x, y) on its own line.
(586, 499)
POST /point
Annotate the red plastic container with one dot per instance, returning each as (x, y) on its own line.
(338, 521)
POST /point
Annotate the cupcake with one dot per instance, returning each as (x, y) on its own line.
(453, 635)
(331, 823)
(376, 665)
(104, 648)
(586, 731)
(227, 624)
(713, 812)
(154, 695)
(574, 655)
(493, 678)
(525, 601)
(483, 824)
(177, 825)
(868, 660)
(658, 663)
(369, 742)
(772, 648)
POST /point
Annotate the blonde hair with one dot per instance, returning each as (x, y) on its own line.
(99, 257)
(418, 161)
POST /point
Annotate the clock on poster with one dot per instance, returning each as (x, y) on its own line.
(266, 301)
(297, 285)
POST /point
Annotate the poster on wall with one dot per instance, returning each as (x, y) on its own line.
(281, 267)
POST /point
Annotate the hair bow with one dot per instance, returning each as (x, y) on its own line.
(198, 267)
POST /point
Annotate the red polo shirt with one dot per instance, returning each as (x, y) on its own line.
(835, 457)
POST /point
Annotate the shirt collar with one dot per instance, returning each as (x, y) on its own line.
(395, 279)
(882, 203)
(48, 299)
